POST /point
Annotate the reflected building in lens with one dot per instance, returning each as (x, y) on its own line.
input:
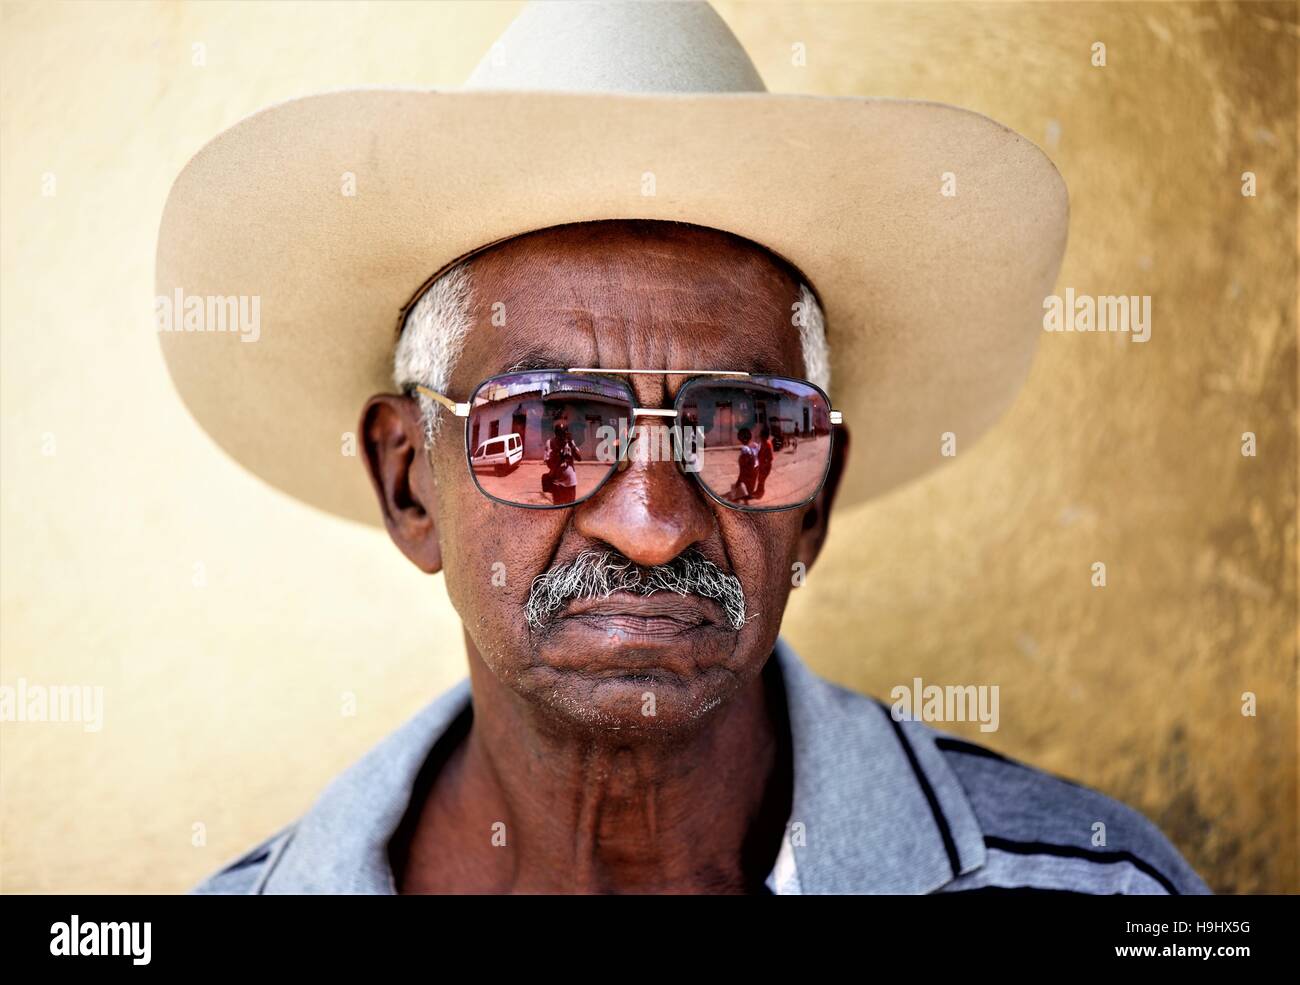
(530, 406)
(723, 411)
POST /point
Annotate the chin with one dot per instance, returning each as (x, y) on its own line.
(649, 702)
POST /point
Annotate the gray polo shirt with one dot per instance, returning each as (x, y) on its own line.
(879, 806)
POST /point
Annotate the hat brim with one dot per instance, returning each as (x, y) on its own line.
(933, 302)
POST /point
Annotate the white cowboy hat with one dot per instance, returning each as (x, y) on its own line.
(933, 302)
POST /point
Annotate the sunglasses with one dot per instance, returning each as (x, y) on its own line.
(551, 438)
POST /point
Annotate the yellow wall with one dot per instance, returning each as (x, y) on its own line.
(224, 684)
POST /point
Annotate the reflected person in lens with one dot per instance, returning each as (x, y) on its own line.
(561, 454)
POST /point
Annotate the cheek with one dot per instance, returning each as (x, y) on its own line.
(490, 555)
(763, 551)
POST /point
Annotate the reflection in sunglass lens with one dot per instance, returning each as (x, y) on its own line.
(766, 439)
(544, 438)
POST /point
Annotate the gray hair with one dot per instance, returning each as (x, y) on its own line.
(433, 336)
(599, 574)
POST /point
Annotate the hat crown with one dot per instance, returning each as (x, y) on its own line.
(617, 46)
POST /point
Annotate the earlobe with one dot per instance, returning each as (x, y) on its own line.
(401, 475)
(816, 521)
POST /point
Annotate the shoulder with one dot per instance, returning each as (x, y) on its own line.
(244, 876)
(1046, 833)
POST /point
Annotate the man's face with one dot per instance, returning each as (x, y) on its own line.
(614, 294)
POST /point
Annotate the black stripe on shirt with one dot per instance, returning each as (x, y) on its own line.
(1087, 854)
(1015, 891)
(958, 745)
(949, 744)
(940, 821)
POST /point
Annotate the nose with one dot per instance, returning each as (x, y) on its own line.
(650, 513)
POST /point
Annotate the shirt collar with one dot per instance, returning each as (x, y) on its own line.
(875, 809)
(882, 810)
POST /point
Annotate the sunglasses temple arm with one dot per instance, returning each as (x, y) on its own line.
(460, 410)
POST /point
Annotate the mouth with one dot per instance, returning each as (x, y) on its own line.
(627, 618)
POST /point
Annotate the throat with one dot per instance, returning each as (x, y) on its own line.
(528, 813)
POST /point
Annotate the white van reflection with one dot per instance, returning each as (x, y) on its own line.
(500, 454)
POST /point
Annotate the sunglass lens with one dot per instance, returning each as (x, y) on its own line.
(766, 440)
(544, 438)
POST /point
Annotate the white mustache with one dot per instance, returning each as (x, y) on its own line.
(599, 574)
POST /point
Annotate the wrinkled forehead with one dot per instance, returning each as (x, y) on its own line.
(631, 293)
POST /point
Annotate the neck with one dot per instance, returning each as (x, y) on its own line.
(582, 810)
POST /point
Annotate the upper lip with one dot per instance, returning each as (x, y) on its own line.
(686, 609)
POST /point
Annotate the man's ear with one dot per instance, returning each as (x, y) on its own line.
(817, 520)
(402, 476)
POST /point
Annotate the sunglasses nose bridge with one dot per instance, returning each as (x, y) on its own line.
(649, 430)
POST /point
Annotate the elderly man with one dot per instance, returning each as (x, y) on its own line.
(632, 720)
